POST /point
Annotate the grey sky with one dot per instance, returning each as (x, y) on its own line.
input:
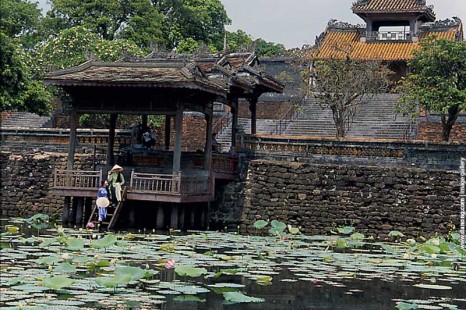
(294, 23)
(297, 22)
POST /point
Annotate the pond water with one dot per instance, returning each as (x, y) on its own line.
(62, 268)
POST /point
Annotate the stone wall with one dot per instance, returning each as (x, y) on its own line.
(374, 200)
(27, 180)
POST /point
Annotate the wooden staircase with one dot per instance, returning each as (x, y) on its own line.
(112, 214)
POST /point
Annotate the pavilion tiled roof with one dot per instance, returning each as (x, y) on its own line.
(337, 42)
(391, 6)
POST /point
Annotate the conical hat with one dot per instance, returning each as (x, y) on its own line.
(102, 202)
(117, 168)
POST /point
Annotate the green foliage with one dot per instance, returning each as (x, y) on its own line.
(345, 230)
(190, 271)
(113, 282)
(20, 19)
(201, 20)
(269, 49)
(74, 46)
(260, 224)
(437, 82)
(238, 41)
(105, 242)
(18, 91)
(238, 297)
(187, 46)
(136, 20)
(57, 283)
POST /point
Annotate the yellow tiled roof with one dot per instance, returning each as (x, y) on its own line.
(390, 6)
(336, 44)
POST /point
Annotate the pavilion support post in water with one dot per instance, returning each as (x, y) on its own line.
(174, 217)
(160, 218)
(208, 142)
(79, 210)
(67, 210)
(111, 140)
(167, 132)
(253, 109)
(178, 135)
(73, 139)
(234, 122)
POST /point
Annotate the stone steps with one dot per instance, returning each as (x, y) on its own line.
(25, 119)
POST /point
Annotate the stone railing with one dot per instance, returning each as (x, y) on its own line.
(370, 152)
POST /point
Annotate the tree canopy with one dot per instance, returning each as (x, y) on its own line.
(74, 31)
(437, 81)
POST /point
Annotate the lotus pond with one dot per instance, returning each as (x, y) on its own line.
(45, 266)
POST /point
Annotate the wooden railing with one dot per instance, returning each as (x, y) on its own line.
(196, 186)
(77, 179)
(225, 163)
(155, 183)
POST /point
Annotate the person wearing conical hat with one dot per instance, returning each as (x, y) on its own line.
(115, 180)
(102, 201)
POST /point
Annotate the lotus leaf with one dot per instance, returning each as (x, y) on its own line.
(345, 230)
(433, 286)
(48, 260)
(120, 279)
(74, 244)
(238, 297)
(190, 298)
(81, 259)
(260, 224)
(395, 233)
(105, 242)
(406, 306)
(280, 226)
(190, 271)
(65, 268)
(136, 273)
(357, 236)
(293, 230)
(16, 280)
(264, 280)
(57, 282)
(11, 229)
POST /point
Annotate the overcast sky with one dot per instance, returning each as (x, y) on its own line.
(294, 23)
(297, 22)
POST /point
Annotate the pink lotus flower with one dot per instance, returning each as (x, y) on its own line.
(90, 225)
(170, 264)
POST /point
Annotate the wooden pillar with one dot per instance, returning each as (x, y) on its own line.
(131, 217)
(74, 206)
(208, 142)
(160, 218)
(234, 122)
(87, 209)
(144, 121)
(252, 109)
(202, 222)
(192, 218)
(65, 217)
(111, 140)
(79, 211)
(178, 135)
(174, 216)
(167, 132)
(181, 218)
(73, 139)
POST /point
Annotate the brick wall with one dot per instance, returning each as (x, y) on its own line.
(433, 132)
(264, 110)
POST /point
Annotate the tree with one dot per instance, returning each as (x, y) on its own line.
(18, 91)
(341, 84)
(137, 20)
(269, 49)
(201, 20)
(437, 81)
(76, 45)
(238, 41)
(20, 19)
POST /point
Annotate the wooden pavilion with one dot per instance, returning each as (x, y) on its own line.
(166, 86)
